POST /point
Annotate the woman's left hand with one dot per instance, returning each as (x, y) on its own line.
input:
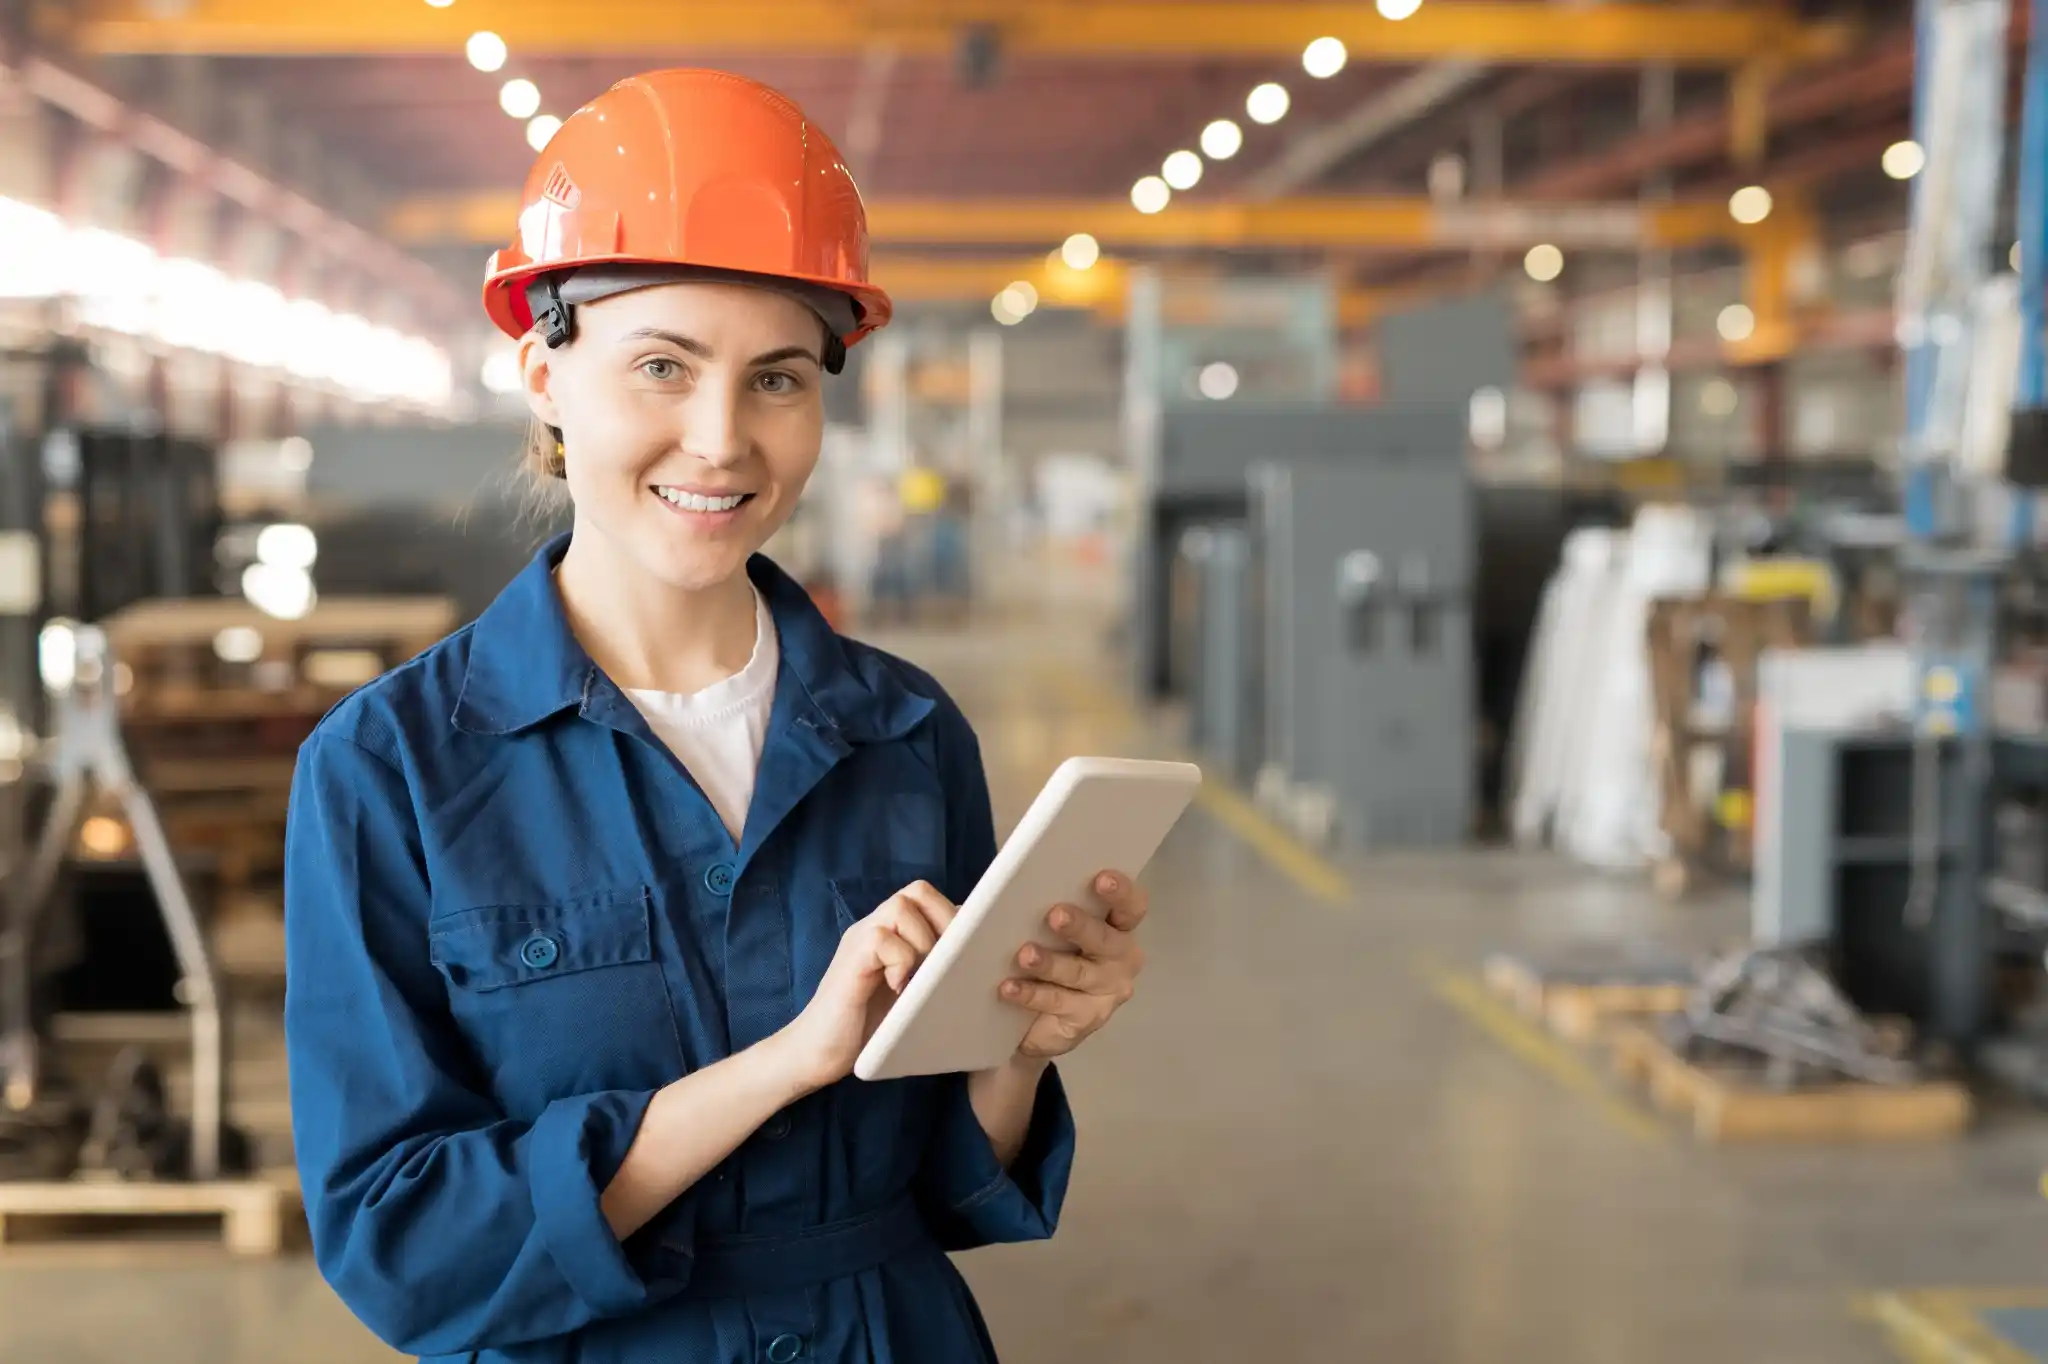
(1075, 993)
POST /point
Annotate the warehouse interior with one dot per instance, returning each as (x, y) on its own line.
(1569, 472)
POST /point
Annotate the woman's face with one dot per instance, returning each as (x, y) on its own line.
(691, 416)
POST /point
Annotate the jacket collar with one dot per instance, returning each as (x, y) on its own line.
(526, 666)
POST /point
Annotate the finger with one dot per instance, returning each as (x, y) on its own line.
(938, 911)
(1091, 935)
(903, 918)
(1128, 901)
(898, 959)
(1071, 970)
(1057, 1001)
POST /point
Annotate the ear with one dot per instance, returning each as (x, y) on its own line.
(536, 374)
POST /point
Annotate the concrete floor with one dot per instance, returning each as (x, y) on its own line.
(1295, 1145)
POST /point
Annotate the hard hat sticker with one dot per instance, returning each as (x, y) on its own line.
(561, 189)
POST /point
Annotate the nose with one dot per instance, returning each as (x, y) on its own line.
(714, 426)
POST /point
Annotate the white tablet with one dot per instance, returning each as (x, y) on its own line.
(1095, 815)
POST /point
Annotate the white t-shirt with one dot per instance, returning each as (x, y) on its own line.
(717, 733)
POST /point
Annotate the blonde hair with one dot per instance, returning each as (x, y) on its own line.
(541, 471)
(541, 460)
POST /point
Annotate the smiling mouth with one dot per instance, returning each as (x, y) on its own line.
(698, 502)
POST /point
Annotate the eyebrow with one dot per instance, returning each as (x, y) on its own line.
(703, 352)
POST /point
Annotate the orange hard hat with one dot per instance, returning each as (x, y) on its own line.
(703, 172)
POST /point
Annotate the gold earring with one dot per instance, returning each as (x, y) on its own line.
(561, 459)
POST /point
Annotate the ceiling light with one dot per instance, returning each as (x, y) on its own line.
(1447, 176)
(238, 644)
(439, 4)
(1324, 57)
(1150, 195)
(1183, 170)
(520, 97)
(1014, 304)
(500, 373)
(1736, 322)
(57, 655)
(1717, 398)
(1904, 160)
(1544, 262)
(1397, 10)
(486, 51)
(1080, 251)
(1221, 140)
(1750, 205)
(1267, 103)
(287, 546)
(286, 593)
(540, 129)
(1217, 381)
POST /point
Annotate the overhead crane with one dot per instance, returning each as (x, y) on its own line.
(1498, 31)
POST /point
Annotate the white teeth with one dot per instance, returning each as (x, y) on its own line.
(696, 503)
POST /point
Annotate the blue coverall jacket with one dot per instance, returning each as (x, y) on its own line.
(511, 917)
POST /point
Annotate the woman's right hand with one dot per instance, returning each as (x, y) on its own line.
(870, 968)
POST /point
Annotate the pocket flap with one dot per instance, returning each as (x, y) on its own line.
(493, 946)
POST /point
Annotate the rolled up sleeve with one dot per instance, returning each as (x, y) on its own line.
(444, 1225)
(970, 1199)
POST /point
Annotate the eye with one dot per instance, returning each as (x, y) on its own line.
(779, 382)
(661, 369)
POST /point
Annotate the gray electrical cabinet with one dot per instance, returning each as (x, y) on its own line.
(1223, 719)
(1365, 568)
(1202, 458)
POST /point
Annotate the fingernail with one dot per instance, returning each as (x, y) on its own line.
(1108, 883)
(1030, 956)
(1061, 917)
(1012, 988)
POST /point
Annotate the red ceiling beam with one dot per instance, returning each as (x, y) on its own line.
(1882, 74)
(362, 251)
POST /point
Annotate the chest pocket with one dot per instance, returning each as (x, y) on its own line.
(560, 999)
(856, 897)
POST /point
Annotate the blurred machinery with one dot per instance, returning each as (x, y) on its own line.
(1903, 814)
(1318, 610)
(1306, 571)
(1224, 714)
(1365, 589)
(88, 759)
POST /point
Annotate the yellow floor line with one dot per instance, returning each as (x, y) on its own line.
(1539, 1049)
(1314, 874)
(1291, 858)
(1942, 1326)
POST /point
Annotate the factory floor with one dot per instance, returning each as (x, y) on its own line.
(1312, 1137)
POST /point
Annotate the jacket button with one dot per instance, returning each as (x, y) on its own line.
(718, 881)
(777, 1127)
(784, 1348)
(539, 951)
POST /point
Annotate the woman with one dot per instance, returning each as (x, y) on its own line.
(590, 907)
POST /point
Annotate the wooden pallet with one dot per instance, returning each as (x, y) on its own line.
(253, 1215)
(1580, 1011)
(1726, 1103)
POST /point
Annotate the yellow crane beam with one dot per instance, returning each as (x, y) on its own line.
(1103, 288)
(1482, 30)
(1348, 222)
